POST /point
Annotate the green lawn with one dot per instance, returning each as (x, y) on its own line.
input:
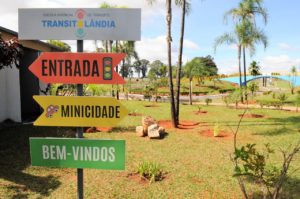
(196, 166)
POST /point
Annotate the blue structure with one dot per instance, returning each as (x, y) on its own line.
(236, 80)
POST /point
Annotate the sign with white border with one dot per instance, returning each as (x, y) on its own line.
(80, 24)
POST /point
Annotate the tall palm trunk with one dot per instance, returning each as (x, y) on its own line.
(245, 72)
(180, 61)
(240, 72)
(169, 40)
(190, 90)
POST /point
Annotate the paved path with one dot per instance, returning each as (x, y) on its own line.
(196, 100)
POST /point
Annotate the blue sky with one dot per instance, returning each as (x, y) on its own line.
(203, 25)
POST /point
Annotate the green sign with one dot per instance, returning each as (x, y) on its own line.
(78, 153)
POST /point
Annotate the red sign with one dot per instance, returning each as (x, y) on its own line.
(78, 68)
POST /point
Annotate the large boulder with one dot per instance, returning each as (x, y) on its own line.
(161, 131)
(146, 122)
(153, 131)
(140, 131)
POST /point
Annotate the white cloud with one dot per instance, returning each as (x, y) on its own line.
(281, 63)
(227, 66)
(190, 44)
(288, 47)
(156, 49)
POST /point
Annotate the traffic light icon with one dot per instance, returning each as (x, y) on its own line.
(107, 68)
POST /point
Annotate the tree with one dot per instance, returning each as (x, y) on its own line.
(293, 77)
(127, 47)
(60, 44)
(10, 53)
(144, 67)
(185, 5)
(189, 72)
(253, 87)
(209, 65)
(137, 67)
(245, 15)
(233, 38)
(157, 70)
(169, 46)
(254, 68)
(125, 70)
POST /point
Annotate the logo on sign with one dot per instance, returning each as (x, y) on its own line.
(84, 21)
(51, 109)
(80, 13)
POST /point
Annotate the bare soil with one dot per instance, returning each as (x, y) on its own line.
(185, 124)
(151, 105)
(104, 129)
(137, 178)
(135, 114)
(208, 132)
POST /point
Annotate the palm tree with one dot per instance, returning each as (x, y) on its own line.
(293, 78)
(169, 45)
(252, 35)
(128, 47)
(185, 5)
(235, 38)
(191, 70)
(254, 68)
(245, 14)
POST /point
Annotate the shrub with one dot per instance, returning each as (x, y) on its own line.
(235, 97)
(226, 100)
(254, 167)
(226, 90)
(147, 96)
(282, 97)
(253, 87)
(216, 130)
(267, 92)
(208, 101)
(151, 171)
(276, 103)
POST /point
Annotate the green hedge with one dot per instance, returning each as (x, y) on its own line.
(225, 90)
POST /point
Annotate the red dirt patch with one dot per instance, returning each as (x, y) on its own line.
(208, 132)
(142, 180)
(252, 116)
(90, 130)
(250, 102)
(137, 178)
(104, 129)
(167, 124)
(135, 114)
(151, 105)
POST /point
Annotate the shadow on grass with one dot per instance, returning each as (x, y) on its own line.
(15, 158)
(293, 120)
(122, 129)
(275, 132)
(290, 190)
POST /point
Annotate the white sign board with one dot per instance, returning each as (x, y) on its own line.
(80, 24)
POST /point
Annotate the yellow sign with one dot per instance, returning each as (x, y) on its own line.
(79, 111)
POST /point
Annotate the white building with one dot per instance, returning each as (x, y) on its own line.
(17, 86)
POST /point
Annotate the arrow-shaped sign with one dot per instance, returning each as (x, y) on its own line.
(79, 111)
(78, 68)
